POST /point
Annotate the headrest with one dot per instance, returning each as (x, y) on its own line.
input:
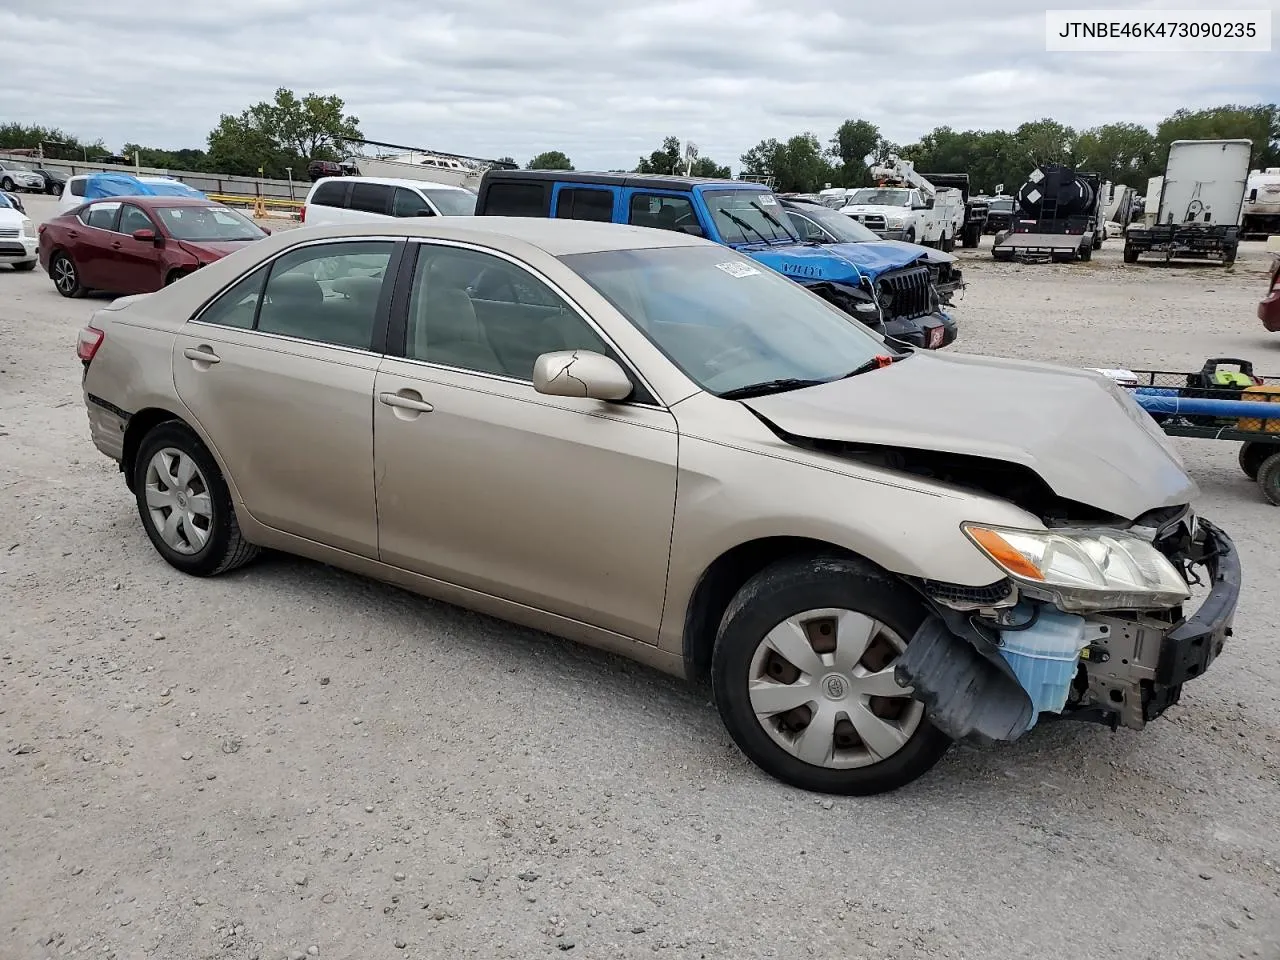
(359, 288)
(452, 271)
(296, 288)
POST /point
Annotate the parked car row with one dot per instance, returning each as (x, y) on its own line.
(18, 238)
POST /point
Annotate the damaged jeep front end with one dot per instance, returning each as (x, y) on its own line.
(969, 661)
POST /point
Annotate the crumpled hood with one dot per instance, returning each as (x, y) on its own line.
(838, 262)
(213, 249)
(931, 254)
(1083, 434)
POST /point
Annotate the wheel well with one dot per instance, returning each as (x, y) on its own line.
(140, 424)
(721, 581)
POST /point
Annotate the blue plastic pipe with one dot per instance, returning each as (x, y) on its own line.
(1165, 400)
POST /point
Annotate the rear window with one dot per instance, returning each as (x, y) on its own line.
(370, 197)
(584, 203)
(517, 199)
(331, 194)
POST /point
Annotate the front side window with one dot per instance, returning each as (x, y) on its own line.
(101, 215)
(748, 216)
(837, 225)
(327, 292)
(134, 218)
(724, 320)
(881, 197)
(208, 224)
(807, 229)
(408, 203)
(481, 313)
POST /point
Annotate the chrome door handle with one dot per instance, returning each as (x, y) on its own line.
(406, 403)
(201, 354)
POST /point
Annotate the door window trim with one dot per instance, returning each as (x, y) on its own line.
(398, 333)
(381, 317)
(120, 219)
(560, 186)
(98, 204)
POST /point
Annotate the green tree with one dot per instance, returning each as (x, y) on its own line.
(706, 167)
(286, 131)
(550, 160)
(799, 165)
(669, 160)
(1119, 152)
(1259, 123)
(57, 144)
(185, 159)
(1045, 141)
(855, 142)
(508, 161)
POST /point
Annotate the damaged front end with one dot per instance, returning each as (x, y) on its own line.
(903, 305)
(989, 661)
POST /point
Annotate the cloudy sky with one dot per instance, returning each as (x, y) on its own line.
(603, 80)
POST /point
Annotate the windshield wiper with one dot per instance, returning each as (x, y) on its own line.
(875, 363)
(768, 386)
(744, 225)
(772, 219)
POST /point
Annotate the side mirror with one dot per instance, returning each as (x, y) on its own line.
(424, 212)
(266, 230)
(144, 235)
(580, 373)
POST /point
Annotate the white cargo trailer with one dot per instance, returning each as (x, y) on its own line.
(1261, 215)
(1197, 214)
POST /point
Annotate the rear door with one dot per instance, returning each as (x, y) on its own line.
(326, 202)
(279, 373)
(369, 201)
(581, 201)
(90, 247)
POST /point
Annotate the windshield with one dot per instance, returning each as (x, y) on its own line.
(748, 216)
(453, 203)
(726, 321)
(200, 224)
(4, 202)
(881, 197)
(845, 229)
(1001, 206)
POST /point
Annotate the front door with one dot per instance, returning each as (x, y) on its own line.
(136, 265)
(562, 504)
(281, 377)
(91, 246)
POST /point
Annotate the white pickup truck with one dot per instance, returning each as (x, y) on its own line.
(905, 213)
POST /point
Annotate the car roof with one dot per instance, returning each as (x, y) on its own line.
(148, 201)
(396, 182)
(556, 237)
(654, 180)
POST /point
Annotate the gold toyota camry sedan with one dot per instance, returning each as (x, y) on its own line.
(648, 442)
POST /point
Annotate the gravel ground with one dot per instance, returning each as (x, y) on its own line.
(291, 761)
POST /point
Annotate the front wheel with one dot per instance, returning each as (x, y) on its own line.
(803, 677)
(1130, 254)
(6, 185)
(185, 505)
(948, 244)
(1252, 454)
(910, 235)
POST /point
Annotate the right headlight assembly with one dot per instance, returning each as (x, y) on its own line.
(1081, 570)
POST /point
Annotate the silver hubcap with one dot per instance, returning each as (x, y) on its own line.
(178, 501)
(64, 274)
(822, 687)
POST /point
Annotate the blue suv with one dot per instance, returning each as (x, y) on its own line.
(885, 285)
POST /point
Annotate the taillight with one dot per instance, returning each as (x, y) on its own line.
(302, 218)
(88, 342)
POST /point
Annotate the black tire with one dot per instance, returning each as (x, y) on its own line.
(65, 276)
(948, 244)
(783, 590)
(1269, 478)
(6, 185)
(971, 237)
(25, 267)
(1130, 254)
(1253, 453)
(1086, 252)
(226, 548)
(174, 276)
(911, 236)
(1229, 257)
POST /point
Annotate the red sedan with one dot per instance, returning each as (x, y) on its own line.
(127, 245)
(1269, 308)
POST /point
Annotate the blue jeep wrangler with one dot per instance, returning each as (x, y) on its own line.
(886, 286)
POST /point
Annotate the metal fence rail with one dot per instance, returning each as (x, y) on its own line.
(209, 183)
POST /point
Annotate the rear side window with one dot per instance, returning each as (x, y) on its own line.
(409, 203)
(77, 188)
(101, 215)
(585, 203)
(517, 199)
(331, 194)
(236, 307)
(370, 197)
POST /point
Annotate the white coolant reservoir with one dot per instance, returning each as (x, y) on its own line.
(1044, 656)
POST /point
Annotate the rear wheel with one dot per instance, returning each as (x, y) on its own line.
(1229, 256)
(948, 243)
(1086, 252)
(972, 236)
(1269, 478)
(66, 278)
(185, 505)
(1130, 254)
(803, 677)
(1252, 454)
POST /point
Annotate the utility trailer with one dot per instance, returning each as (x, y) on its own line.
(1193, 211)
(1056, 217)
(975, 208)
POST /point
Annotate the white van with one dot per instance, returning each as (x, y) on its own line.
(355, 199)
